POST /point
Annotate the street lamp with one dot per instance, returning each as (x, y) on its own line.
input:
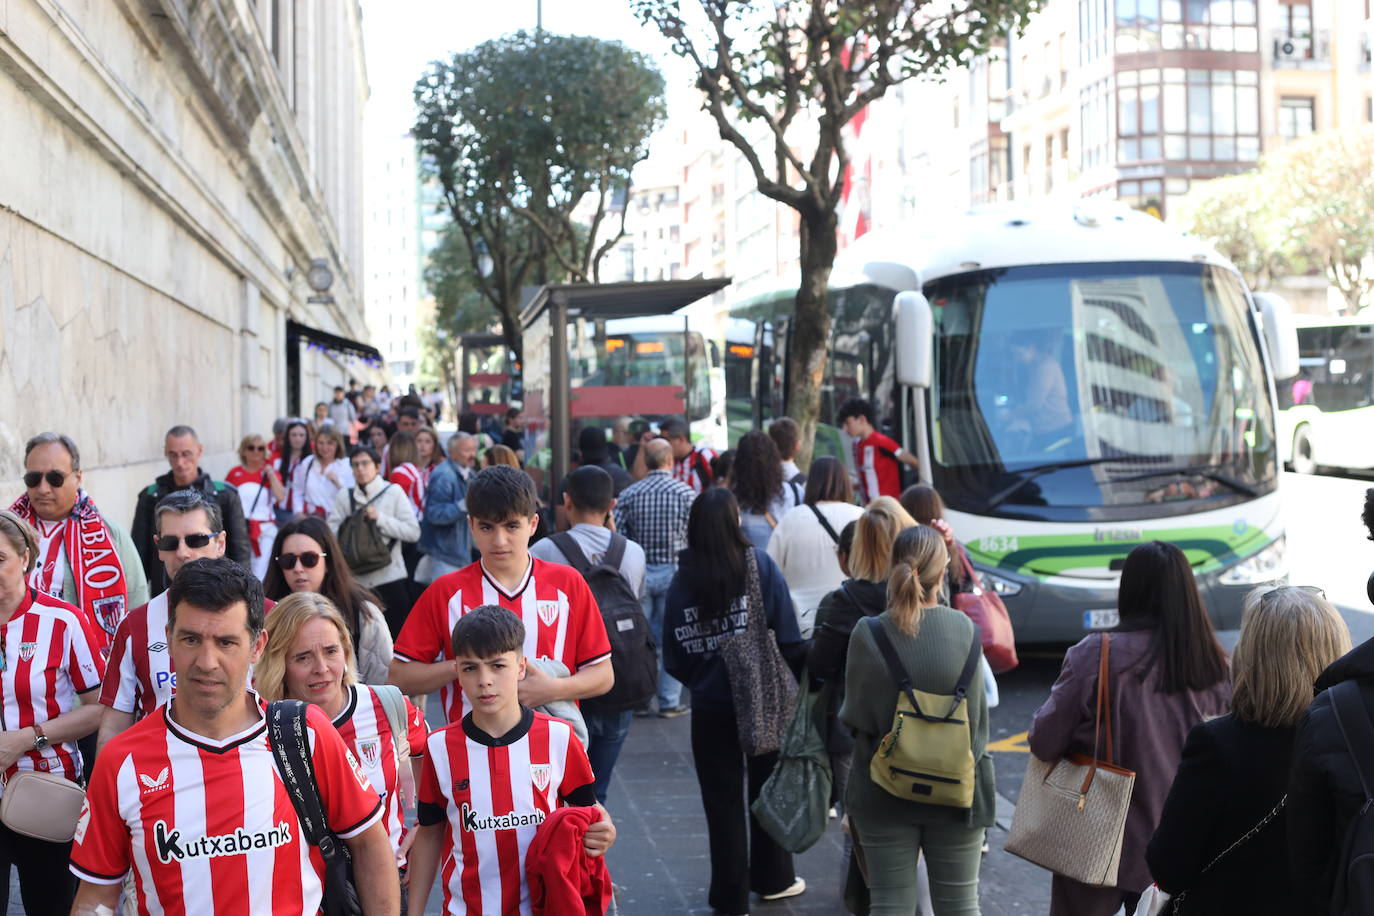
(320, 278)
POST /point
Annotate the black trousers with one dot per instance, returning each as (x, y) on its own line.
(743, 856)
(46, 885)
(396, 603)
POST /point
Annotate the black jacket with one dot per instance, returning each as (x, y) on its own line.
(836, 617)
(1232, 774)
(236, 546)
(1324, 793)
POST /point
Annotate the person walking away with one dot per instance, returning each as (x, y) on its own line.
(1168, 674)
(876, 455)
(259, 488)
(691, 463)
(587, 503)
(307, 558)
(513, 435)
(805, 542)
(756, 480)
(933, 644)
(320, 477)
(50, 657)
(653, 513)
(786, 435)
(924, 504)
(709, 599)
(199, 753)
(1224, 821)
(297, 450)
(82, 557)
(445, 540)
(594, 449)
(388, 507)
(343, 413)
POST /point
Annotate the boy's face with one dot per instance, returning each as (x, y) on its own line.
(491, 684)
(503, 542)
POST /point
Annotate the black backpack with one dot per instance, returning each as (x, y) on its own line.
(1354, 890)
(634, 657)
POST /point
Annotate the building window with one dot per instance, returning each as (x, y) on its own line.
(1201, 115)
(1049, 163)
(1296, 117)
(1095, 127)
(1176, 25)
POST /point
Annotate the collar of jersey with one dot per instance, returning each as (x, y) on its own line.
(515, 734)
(524, 581)
(256, 730)
(349, 708)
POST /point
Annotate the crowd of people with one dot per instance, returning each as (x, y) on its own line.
(352, 565)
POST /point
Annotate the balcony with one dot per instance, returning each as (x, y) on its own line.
(1307, 50)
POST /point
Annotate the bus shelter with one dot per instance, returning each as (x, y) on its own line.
(486, 375)
(595, 352)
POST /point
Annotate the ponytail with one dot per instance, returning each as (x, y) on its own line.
(919, 561)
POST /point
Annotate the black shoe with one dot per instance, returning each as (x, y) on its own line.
(645, 712)
(672, 712)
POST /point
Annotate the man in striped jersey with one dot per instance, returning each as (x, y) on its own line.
(489, 781)
(189, 799)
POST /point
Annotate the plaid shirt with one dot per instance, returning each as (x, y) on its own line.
(653, 513)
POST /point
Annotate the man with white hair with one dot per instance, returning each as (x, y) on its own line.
(444, 537)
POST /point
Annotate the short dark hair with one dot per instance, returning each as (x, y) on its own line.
(338, 387)
(513, 412)
(591, 489)
(786, 435)
(501, 492)
(828, 481)
(591, 441)
(673, 428)
(216, 585)
(722, 465)
(184, 502)
(487, 631)
(367, 450)
(1367, 516)
(55, 439)
(410, 411)
(855, 407)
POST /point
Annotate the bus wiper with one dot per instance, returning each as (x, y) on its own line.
(1196, 471)
(1029, 474)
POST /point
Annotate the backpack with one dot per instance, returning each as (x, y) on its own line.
(634, 656)
(1354, 890)
(928, 755)
(397, 716)
(360, 540)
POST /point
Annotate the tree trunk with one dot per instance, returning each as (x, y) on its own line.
(809, 334)
(510, 322)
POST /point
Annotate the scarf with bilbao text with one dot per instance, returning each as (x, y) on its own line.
(102, 590)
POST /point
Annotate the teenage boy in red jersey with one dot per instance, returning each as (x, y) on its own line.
(489, 781)
(875, 455)
(560, 615)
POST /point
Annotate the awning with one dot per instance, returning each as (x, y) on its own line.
(622, 300)
(297, 332)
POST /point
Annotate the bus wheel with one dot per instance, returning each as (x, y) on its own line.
(1303, 462)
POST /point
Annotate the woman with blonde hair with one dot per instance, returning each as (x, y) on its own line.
(1234, 774)
(319, 478)
(260, 488)
(933, 643)
(500, 454)
(309, 657)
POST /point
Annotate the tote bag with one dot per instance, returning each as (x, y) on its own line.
(761, 685)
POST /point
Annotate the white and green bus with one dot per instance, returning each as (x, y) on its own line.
(1074, 380)
(1326, 412)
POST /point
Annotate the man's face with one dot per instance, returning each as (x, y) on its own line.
(682, 446)
(49, 461)
(408, 424)
(491, 684)
(465, 451)
(369, 392)
(503, 543)
(211, 653)
(183, 455)
(853, 427)
(338, 395)
(193, 526)
(516, 422)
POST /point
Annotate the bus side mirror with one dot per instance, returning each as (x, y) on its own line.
(915, 337)
(1280, 334)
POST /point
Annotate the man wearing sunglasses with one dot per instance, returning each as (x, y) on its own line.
(183, 450)
(83, 558)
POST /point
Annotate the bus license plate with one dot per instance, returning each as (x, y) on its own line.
(1101, 620)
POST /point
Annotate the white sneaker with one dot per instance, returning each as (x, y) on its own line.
(797, 887)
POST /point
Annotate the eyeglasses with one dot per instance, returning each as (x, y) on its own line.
(1310, 589)
(256, 448)
(310, 559)
(55, 479)
(170, 542)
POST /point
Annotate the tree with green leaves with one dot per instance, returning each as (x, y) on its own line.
(524, 131)
(803, 70)
(459, 307)
(1236, 215)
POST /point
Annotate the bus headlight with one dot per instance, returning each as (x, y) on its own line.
(1265, 566)
(1003, 587)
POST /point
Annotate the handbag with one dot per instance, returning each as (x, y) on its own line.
(986, 609)
(761, 684)
(44, 806)
(1071, 814)
(291, 750)
(794, 804)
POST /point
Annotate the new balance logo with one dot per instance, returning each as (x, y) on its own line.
(473, 822)
(152, 784)
(170, 846)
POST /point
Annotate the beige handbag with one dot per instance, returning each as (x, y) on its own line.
(41, 805)
(1071, 814)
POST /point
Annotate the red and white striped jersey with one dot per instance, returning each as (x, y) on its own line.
(366, 730)
(139, 676)
(254, 493)
(562, 621)
(875, 458)
(492, 793)
(51, 653)
(206, 826)
(412, 481)
(695, 469)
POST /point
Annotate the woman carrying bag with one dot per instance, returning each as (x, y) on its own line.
(727, 591)
(1167, 673)
(934, 645)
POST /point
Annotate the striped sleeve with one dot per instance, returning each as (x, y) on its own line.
(119, 689)
(101, 846)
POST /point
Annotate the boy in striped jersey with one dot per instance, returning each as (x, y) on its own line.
(489, 781)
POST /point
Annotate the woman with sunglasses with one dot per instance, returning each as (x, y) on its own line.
(1167, 673)
(320, 477)
(260, 489)
(1235, 769)
(306, 558)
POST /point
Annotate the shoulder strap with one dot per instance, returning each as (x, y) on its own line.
(895, 668)
(975, 651)
(352, 503)
(394, 702)
(825, 523)
(290, 744)
(576, 558)
(1352, 717)
(796, 492)
(615, 552)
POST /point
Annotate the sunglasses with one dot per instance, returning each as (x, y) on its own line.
(256, 448)
(1310, 589)
(170, 542)
(310, 559)
(55, 479)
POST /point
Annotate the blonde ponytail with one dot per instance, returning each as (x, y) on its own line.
(919, 561)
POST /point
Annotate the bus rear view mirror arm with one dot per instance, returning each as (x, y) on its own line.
(915, 336)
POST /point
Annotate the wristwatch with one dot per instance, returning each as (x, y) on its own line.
(40, 740)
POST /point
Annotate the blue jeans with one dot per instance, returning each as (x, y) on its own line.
(606, 733)
(657, 578)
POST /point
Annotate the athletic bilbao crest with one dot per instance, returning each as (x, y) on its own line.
(27, 650)
(367, 750)
(548, 612)
(541, 773)
(109, 611)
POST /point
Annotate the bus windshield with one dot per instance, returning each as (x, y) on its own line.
(1063, 390)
